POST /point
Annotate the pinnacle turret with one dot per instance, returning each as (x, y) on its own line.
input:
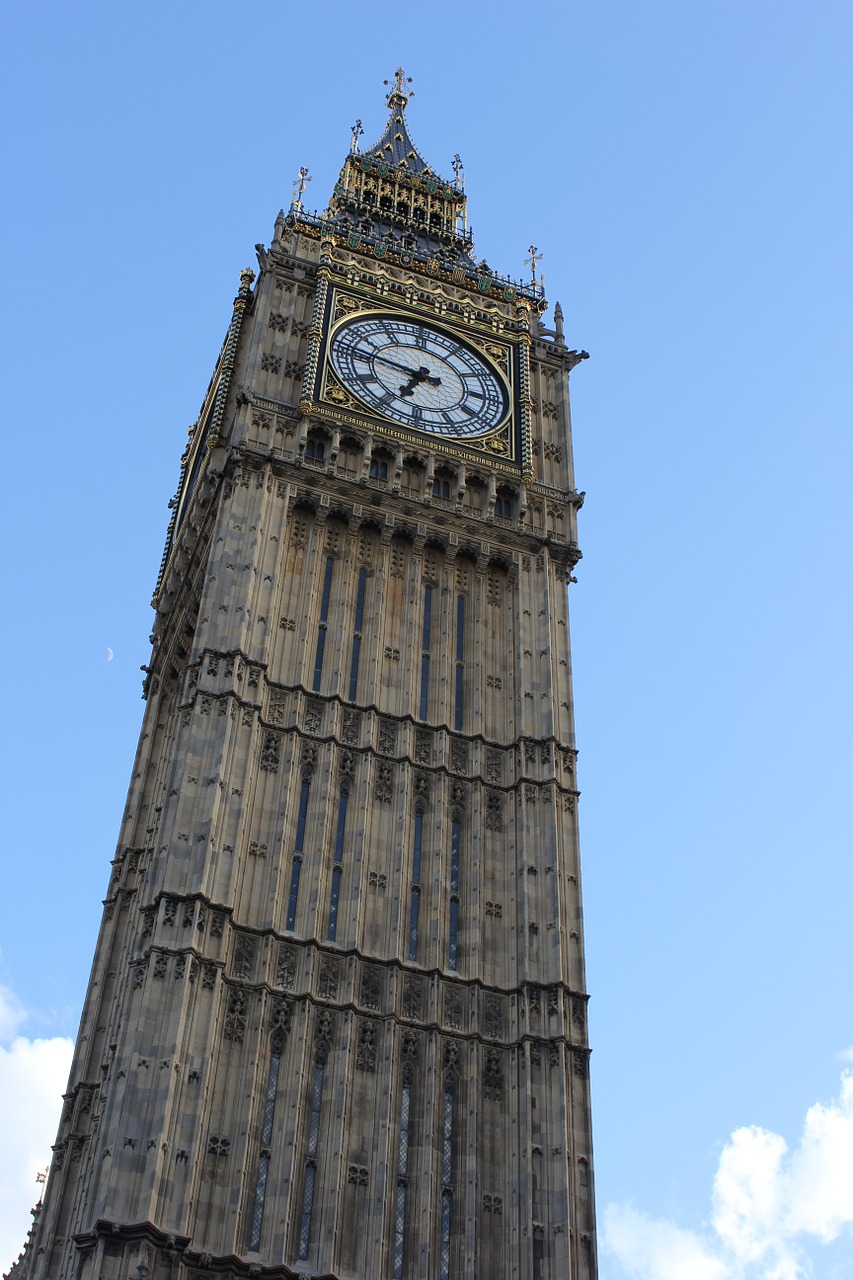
(390, 192)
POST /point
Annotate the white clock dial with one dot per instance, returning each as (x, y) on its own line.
(418, 376)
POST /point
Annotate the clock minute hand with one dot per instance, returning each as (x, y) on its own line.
(419, 375)
(415, 380)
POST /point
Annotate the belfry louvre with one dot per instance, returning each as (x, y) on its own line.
(336, 1024)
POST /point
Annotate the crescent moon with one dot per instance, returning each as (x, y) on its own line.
(109, 655)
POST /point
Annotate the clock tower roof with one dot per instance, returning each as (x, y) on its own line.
(396, 148)
(389, 192)
(388, 200)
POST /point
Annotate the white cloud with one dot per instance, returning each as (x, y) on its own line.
(33, 1076)
(771, 1208)
(12, 1014)
(749, 1194)
(650, 1250)
(821, 1182)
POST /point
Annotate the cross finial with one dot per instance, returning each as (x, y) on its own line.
(299, 186)
(535, 256)
(401, 80)
(457, 167)
(357, 131)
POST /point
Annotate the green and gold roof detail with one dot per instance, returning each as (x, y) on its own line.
(389, 201)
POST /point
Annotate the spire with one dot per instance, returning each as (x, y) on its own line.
(398, 94)
(299, 182)
(535, 257)
(395, 148)
(389, 195)
(560, 338)
(390, 202)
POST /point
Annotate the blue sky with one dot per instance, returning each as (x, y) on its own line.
(685, 169)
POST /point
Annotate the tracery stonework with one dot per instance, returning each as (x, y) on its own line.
(337, 1020)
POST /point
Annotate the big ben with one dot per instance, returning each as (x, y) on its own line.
(337, 1018)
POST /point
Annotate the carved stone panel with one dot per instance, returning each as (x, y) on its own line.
(285, 968)
(330, 972)
(236, 1016)
(370, 990)
(365, 1053)
(413, 998)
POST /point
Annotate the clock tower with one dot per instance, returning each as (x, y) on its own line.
(336, 1024)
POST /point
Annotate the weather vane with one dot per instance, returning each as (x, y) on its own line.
(457, 167)
(357, 131)
(535, 256)
(400, 82)
(299, 186)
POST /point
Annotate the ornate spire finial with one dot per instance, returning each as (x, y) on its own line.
(457, 168)
(298, 187)
(357, 131)
(558, 325)
(535, 256)
(399, 95)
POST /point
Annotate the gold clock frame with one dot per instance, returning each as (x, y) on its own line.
(334, 401)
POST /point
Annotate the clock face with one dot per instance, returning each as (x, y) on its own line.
(419, 376)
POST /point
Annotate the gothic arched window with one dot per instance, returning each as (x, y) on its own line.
(443, 483)
(505, 504)
(315, 448)
(415, 900)
(379, 463)
(475, 493)
(402, 1173)
(298, 845)
(446, 1177)
(337, 869)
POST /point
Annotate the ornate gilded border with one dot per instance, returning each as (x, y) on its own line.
(326, 397)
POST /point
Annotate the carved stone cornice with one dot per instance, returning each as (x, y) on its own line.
(423, 509)
(265, 690)
(134, 1233)
(545, 1011)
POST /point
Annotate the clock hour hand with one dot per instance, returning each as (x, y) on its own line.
(419, 375)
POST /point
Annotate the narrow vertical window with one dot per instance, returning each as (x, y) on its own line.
(415, 905)
(356, 640)
(446, 1179)
(297, 852)
(425, 652)
(266, 1140)
(338, 864)
(453, 929)
(324, 618)
(311, 1158)
(460, 662)
(402, 1175)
